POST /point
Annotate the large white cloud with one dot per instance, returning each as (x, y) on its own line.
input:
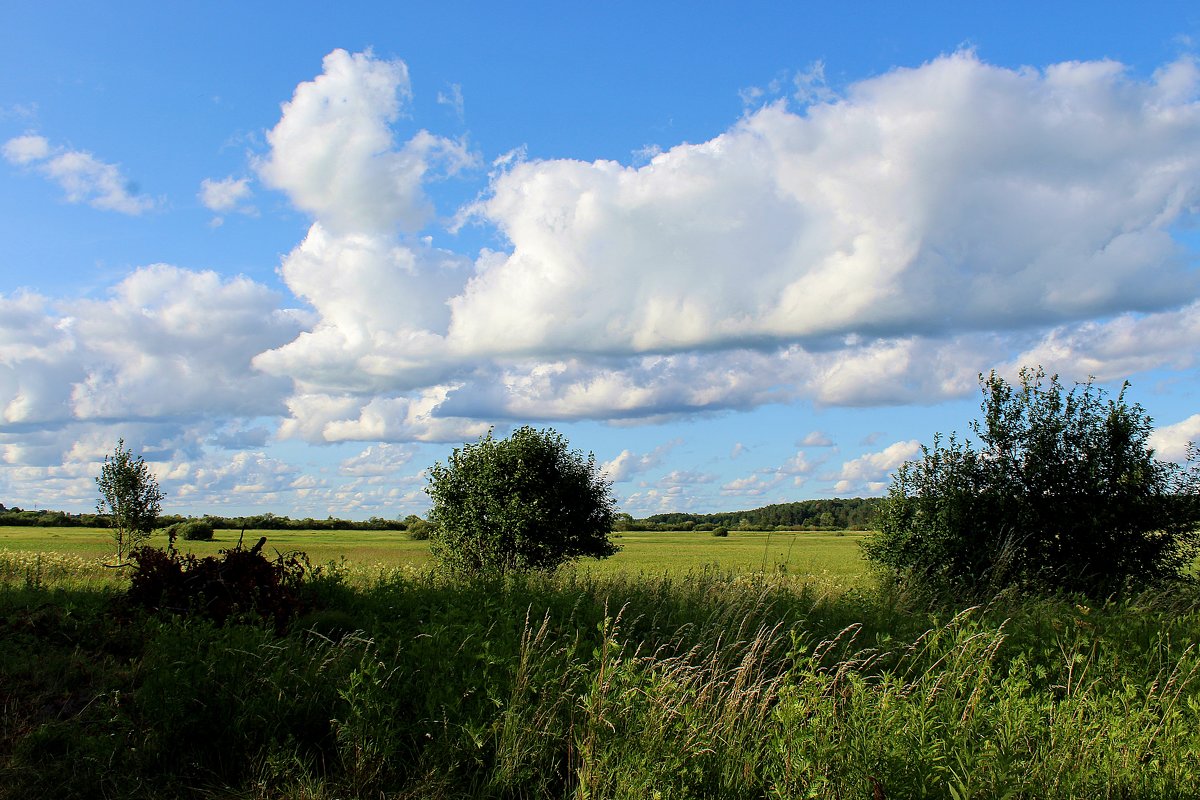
(878, 248)
(955, 196)
(168, 346)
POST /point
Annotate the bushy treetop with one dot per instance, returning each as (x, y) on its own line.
(527, 502)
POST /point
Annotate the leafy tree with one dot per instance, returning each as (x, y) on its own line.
(522, 503)
(1062, 491)
(130, 492)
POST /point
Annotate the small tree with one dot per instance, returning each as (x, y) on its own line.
(418, 529)
(130, 493)
(1063, 492)
(522, 503)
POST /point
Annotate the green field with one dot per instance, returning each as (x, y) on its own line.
(687, 666)
(829, 558)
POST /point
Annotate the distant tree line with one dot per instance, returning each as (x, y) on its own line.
(43, 518)
(853, 513)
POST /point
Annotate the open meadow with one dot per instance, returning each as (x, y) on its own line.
(834, 557)
(688, 666)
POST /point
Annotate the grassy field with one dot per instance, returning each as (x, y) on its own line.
(650, 675)
(829, 558)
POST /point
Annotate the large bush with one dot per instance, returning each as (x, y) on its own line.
(1062, 491)
(191, 530)
(522, 503)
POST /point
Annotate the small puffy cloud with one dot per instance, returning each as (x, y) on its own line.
(224, 195)
(872, 469)
(55, 467)
(1170, 442)
(685, 477)
(26, 149)
(797, 465)
(737, 450)
(754, 485)
(627, 463)
(816, 439)
(245, 473)
(678, 490)
(84, 178)
(797, 468)
(321, 418)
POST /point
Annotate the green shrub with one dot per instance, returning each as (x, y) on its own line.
(192, 530)
(419, 530)
(1064, 492)
(720, 530)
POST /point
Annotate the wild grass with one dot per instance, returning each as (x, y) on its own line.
(35, 569)
(403, 683)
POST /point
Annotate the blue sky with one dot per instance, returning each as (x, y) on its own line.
(745, 254)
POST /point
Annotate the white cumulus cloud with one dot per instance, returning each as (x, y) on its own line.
(380, 459)
(879, 247)
(335, 154)
(169, 348)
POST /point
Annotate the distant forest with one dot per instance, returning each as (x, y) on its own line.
(854, 513)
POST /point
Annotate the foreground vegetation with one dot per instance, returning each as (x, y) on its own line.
(749, 684)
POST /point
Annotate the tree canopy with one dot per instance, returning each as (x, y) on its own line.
(527, 502)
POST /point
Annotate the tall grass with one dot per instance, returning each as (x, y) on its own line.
(36, 569)
(712, 685)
